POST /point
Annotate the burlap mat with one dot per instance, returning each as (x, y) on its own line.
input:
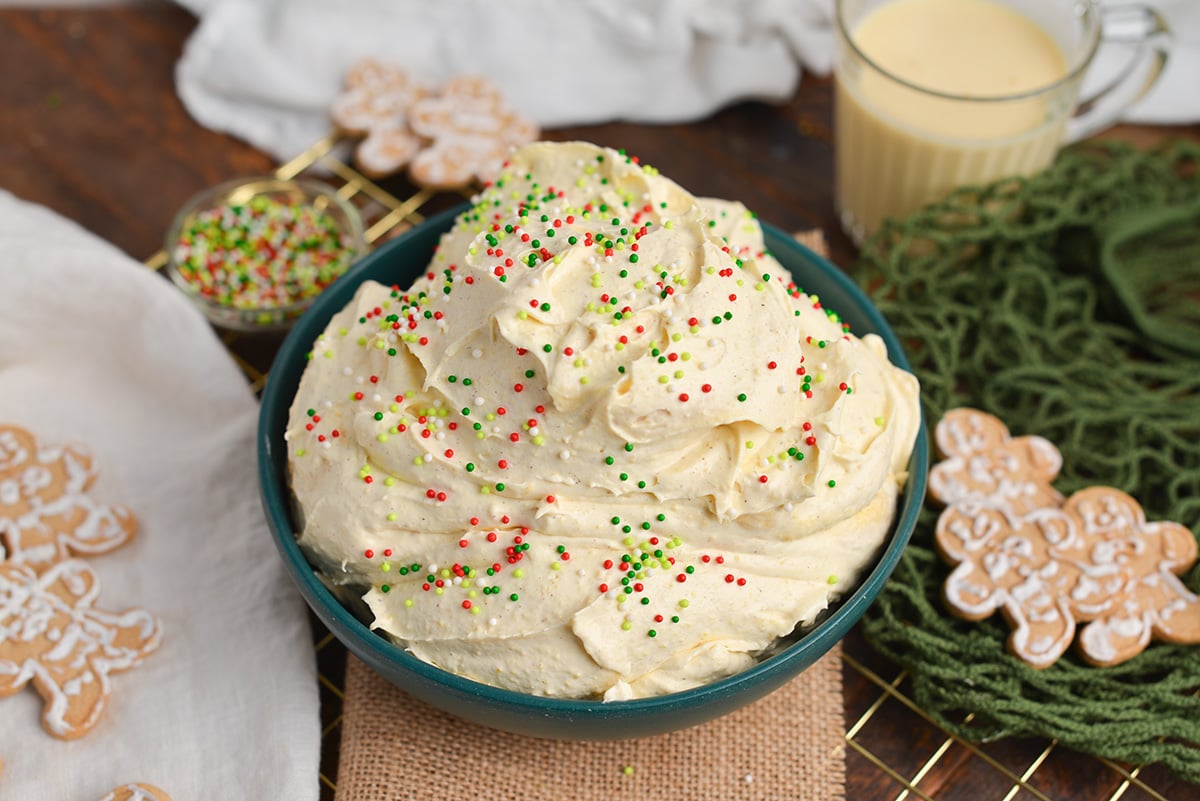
(788, 745)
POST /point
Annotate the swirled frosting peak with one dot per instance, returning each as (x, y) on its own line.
(603, 447)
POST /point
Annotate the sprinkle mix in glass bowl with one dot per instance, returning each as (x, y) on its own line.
(252, 254)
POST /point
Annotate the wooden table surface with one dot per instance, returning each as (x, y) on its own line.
(91, 127)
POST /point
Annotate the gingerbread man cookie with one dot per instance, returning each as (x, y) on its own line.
(1050, 564)
(45, 512)
(984, 464)
(375, 104)
(137, 792)
(470, 130)
(51, 636)
(375, 94)
(1120, 548)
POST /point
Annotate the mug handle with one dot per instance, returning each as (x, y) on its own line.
(1133, 24)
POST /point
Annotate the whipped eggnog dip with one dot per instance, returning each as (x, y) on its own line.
(603, 447)
(935, 94)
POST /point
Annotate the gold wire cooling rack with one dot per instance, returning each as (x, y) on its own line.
(894, 749)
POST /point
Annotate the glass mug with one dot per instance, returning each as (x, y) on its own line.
(901, 142)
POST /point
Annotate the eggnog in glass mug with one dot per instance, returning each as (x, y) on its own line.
(936, 94)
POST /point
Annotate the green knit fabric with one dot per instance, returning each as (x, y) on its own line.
(1002, 302)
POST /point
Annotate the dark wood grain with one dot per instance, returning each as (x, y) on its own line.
(91, 127)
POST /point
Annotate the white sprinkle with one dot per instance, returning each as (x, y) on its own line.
(437, 403)
(564, 454)
(495, 429)
(441, 435)
(535, 282)
(346, 371)
(789, 506)
(748, 778)
(534, 431)
(428, 458)
(477, 353)
(781, 389)
(328, 404)
(712, 343)
(433, 568)
(457, 580)
(492, 621)
(377, 397)
(360, 380)
(478, 400)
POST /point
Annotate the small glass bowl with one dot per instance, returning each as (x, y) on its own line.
(253, 253)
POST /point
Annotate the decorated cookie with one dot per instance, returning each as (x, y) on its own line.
(1048, 564)
(1118, 543)
(470, 132)
(461, 134)
(984, 465)
(51, 636)
(46, 514)
(1013, 567)
(137, 792)
(375, 94)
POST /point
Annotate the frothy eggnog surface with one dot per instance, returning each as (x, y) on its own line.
(971, 48)
(955, 92)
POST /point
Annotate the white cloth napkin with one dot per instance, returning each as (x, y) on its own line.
(97, 350)
(267, 70)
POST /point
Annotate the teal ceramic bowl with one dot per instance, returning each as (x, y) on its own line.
(400, 261)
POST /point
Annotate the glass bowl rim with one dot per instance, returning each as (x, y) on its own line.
(259, 185)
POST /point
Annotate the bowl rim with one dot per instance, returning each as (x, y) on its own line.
(374, 649)
(259, 185)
